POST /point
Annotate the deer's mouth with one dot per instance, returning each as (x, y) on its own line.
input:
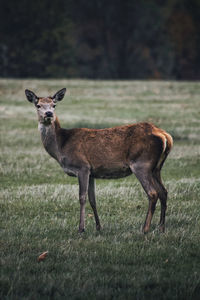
(48, 120)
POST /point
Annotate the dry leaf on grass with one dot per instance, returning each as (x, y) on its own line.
(42, 256)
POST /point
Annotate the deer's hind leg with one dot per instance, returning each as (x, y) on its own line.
(158, 181)
(144, 174)
(162, 193)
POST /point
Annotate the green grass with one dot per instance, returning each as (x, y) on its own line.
(40, 207)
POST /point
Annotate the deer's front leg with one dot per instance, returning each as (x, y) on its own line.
(83, 179)
(91, 196)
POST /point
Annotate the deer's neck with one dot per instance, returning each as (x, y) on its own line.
(49, 136)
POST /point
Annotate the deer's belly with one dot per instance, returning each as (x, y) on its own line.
(106, 173)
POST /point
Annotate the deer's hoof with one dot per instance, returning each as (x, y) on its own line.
(145, 230)
(98, 227)
(162, 228)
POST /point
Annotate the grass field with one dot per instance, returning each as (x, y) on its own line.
(40, 207)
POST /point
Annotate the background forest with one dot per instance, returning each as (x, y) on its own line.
(100, 39)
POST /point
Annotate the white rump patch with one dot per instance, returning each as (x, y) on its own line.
(163, 153)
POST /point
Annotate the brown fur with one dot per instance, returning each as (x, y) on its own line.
(108, 153)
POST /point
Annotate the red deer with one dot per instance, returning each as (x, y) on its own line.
(116, 152)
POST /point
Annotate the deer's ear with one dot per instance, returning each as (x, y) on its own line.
(59, 95)
(31, 96)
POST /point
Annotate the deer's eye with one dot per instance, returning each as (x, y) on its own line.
(54, 106)
(38, 106)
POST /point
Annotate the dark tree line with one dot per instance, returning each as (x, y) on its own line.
(118, 39)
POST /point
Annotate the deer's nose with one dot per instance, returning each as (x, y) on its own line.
(49, 114)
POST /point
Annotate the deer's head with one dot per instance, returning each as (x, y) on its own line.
(45, 105)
